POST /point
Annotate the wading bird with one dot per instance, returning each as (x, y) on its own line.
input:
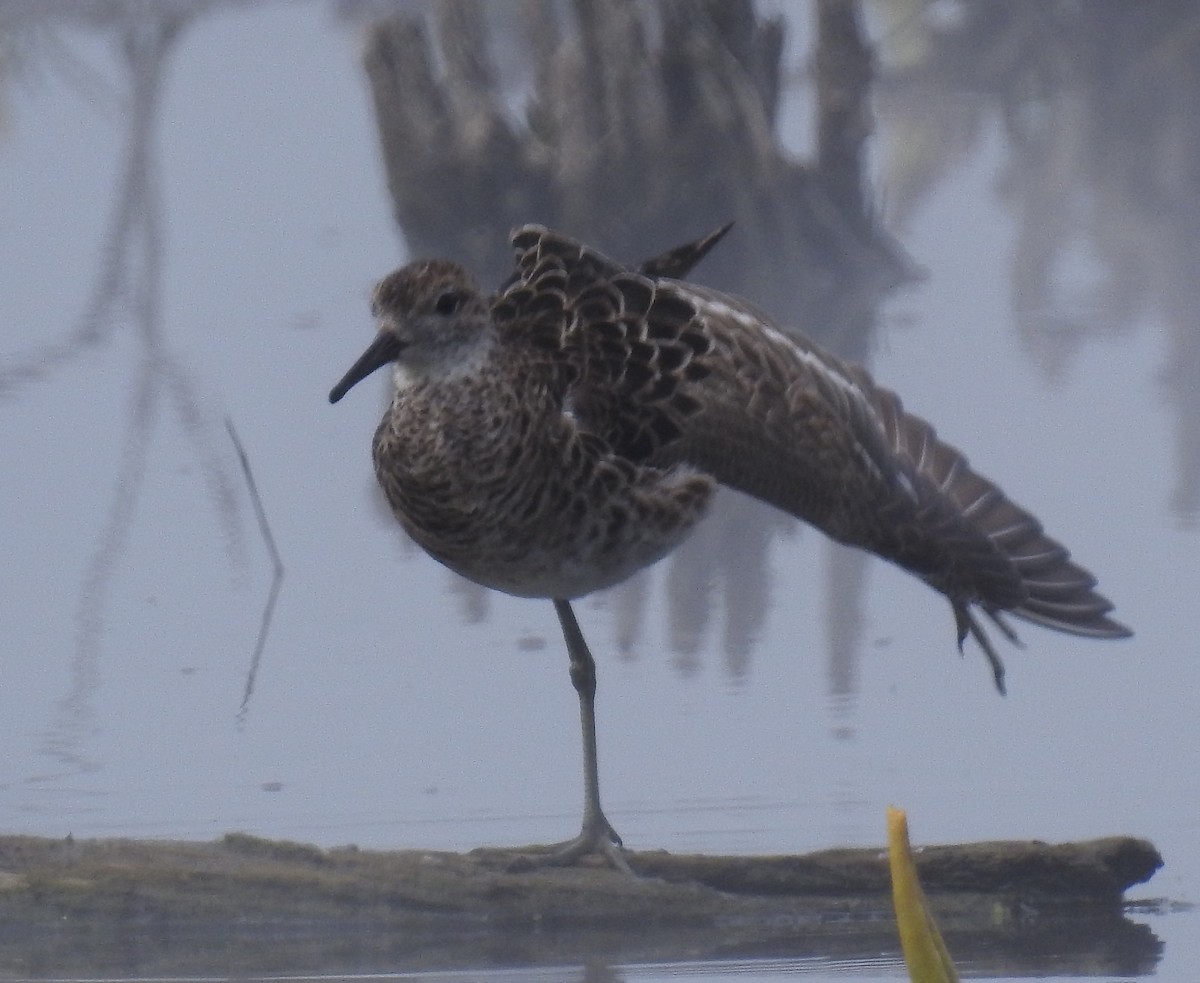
(553, 438)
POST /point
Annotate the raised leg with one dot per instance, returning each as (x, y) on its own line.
(597, 834)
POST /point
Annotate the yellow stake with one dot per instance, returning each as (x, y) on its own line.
(924, 951)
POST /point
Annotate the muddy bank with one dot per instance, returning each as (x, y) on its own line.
(243, 904)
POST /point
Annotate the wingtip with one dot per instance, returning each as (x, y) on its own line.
(677, 263)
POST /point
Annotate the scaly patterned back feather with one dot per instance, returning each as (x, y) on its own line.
(668, 372)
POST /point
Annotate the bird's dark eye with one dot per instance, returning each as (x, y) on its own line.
(448, 302)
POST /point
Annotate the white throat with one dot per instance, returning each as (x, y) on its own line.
(446, 365)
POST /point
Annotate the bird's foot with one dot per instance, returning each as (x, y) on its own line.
(596, 838)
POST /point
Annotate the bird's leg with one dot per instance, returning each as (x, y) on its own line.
(597, 834)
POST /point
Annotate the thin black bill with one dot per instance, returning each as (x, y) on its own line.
(382, 350)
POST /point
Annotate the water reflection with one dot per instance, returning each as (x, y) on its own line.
(1088, 950)
(127, 293)
(1100, 132)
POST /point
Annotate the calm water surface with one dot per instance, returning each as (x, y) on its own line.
(392, 707)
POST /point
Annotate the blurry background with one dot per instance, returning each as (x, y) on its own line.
(996, 205)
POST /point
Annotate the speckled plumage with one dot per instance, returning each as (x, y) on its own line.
(487, 471)
(553, 438)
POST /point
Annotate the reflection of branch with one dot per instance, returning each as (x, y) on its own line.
(276, 566)
(136, 225)
(97, 321)
(129, 283)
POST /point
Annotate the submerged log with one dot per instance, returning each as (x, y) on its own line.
(153, 907)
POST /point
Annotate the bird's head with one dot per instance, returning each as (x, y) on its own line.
(431, 317)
